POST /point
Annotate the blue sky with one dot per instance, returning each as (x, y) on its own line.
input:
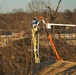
(9, 5)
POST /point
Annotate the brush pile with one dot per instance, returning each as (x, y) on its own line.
(16, 60)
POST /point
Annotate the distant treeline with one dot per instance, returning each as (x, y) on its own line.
(21, 20)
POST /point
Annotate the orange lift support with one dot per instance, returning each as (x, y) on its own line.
(50, 39)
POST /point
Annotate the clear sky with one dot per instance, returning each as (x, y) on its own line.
(9, 5)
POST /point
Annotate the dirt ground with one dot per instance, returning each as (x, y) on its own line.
(58, 68)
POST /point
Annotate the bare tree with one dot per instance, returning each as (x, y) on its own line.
(74, 11)
(17, 10)
(68, 15)
(36, 5)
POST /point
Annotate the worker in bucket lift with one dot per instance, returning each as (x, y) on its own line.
(34, 22)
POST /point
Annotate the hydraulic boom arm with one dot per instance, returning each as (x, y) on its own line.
(50, 39)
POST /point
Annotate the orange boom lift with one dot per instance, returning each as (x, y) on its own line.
(50, 39)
